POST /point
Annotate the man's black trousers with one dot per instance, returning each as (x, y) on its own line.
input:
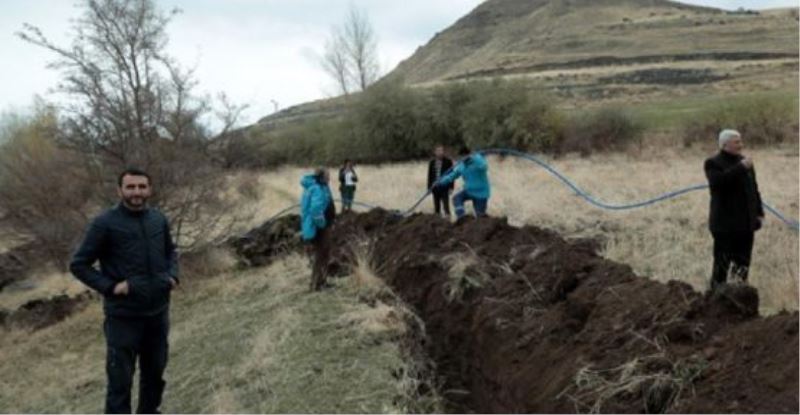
(732, 253)
(129, 338)
(441, 199)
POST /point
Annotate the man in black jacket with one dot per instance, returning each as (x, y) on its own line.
(138, 269)
(736, 209)
(436, 169)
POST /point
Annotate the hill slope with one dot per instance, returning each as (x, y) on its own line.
(601, 51)
(503, 36)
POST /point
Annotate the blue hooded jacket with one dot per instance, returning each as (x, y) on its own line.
(475, 170)
(315, 200)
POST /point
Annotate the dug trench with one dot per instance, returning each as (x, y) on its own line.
(522, 320)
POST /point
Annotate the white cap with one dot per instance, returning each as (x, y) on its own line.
(727, 135)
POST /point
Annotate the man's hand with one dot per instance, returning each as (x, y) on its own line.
(174, 283)
(121, 288)
(748, 162)
(309, 248)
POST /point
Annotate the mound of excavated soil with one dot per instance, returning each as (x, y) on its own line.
(521, 320)
(259, 246)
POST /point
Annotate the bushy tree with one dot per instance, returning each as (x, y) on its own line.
(129, 103)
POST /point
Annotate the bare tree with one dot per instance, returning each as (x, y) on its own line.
(362, 47)
(131, 104)
(351, 53)
(124, 91)
(335, 60)
(229, 148)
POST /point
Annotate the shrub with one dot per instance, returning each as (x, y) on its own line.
(445, 113)
(44, 190)
(607, 129)
(390, 124)
(503, 114)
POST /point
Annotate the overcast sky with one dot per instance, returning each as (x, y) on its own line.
(253, 50)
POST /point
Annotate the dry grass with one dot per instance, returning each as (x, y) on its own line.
(660, 391)
(250, 341)
(668, 241)
(365, 271)
(464, 273)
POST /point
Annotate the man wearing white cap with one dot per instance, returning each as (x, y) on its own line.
(736, 210)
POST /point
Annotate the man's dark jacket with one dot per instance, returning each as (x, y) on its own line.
(735, 199)
(447, 164)
(131, 245)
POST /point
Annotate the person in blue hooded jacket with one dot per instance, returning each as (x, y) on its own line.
(475, 171)
(317, 213)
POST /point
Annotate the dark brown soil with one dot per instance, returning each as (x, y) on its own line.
(261, 245)
(614, 60)
(38, 314)
(547, 325)
(665, 76)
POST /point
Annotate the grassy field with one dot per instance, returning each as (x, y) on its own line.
(251, 341)
(669, 241)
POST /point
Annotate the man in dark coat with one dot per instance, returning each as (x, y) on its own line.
(138, 270)
(437, 168)
(736, 210)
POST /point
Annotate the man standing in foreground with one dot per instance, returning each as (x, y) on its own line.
(475, 170)
(736, 209)
(437, 167)
(138, 269)
(317, 213)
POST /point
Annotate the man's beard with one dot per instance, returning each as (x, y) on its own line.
(136, 202)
